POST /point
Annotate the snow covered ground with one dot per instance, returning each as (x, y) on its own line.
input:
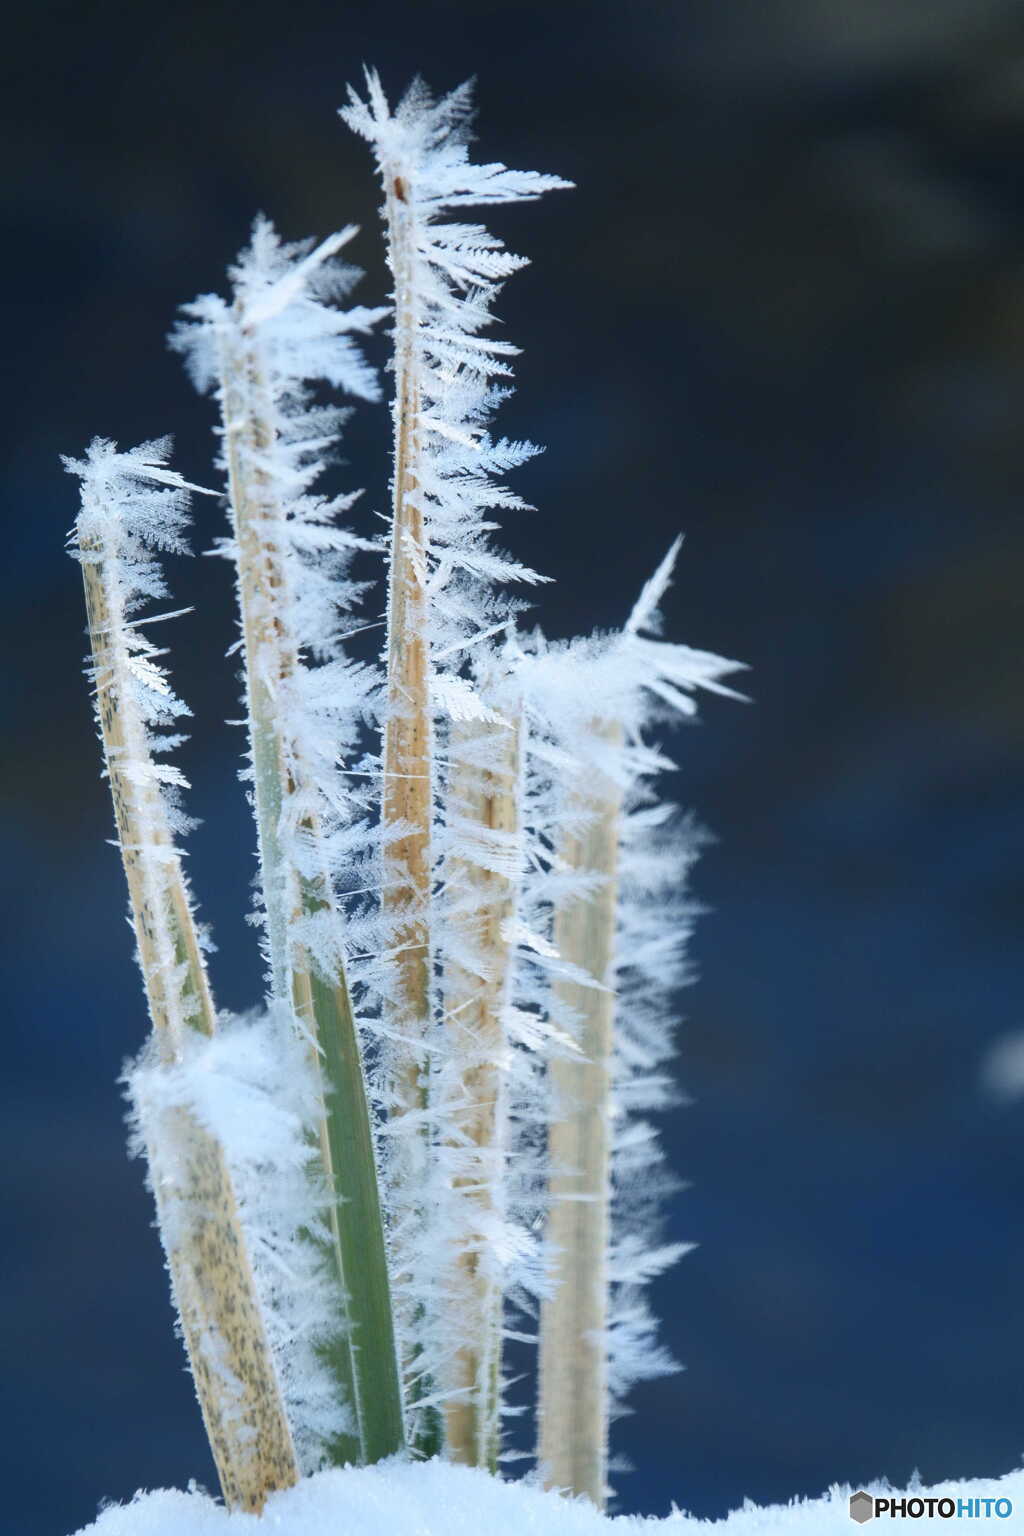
(399, 1499)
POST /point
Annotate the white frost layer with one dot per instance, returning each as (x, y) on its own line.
(435, 1499)
(251, 1086)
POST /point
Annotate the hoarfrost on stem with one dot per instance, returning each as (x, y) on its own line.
(607, 888)
(307, 704)
(307, 700)
(446, 600)
(133, 506)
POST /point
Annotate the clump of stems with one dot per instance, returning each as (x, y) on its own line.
(472, 953)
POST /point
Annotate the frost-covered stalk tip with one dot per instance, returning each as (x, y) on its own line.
(132, 506)
(291, 560)
(483, 808)
(442, 574)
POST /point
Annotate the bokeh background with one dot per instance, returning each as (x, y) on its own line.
(784, 311)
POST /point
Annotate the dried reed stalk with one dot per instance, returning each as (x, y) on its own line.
(483, 797)
(206, 1255)
(408, 733)
(408, 785)
(573, 1442)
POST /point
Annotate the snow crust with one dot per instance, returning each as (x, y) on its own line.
(435, 1499)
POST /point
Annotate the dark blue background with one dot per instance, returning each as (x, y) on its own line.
(784, 311)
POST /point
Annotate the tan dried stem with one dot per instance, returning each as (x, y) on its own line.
(209, 1266)
(573, 1442)
(408, 790)
(408, 734)
(485, 802)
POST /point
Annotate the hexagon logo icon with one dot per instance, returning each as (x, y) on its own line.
(862, 1507)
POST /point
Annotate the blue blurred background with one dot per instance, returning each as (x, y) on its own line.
(784, 311)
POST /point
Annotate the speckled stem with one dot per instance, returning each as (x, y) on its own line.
(210, 1271)
(408, 777)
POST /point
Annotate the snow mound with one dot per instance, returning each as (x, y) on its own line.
(398, 1498)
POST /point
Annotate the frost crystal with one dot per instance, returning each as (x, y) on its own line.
(134, 507)
(447, 274)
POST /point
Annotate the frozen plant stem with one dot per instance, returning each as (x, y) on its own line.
(573, 1444)
(364, 1360)
(621, 921)
(210, 1271)
(443, 600)
(483, 797)
(408, 756)
(408, 732)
